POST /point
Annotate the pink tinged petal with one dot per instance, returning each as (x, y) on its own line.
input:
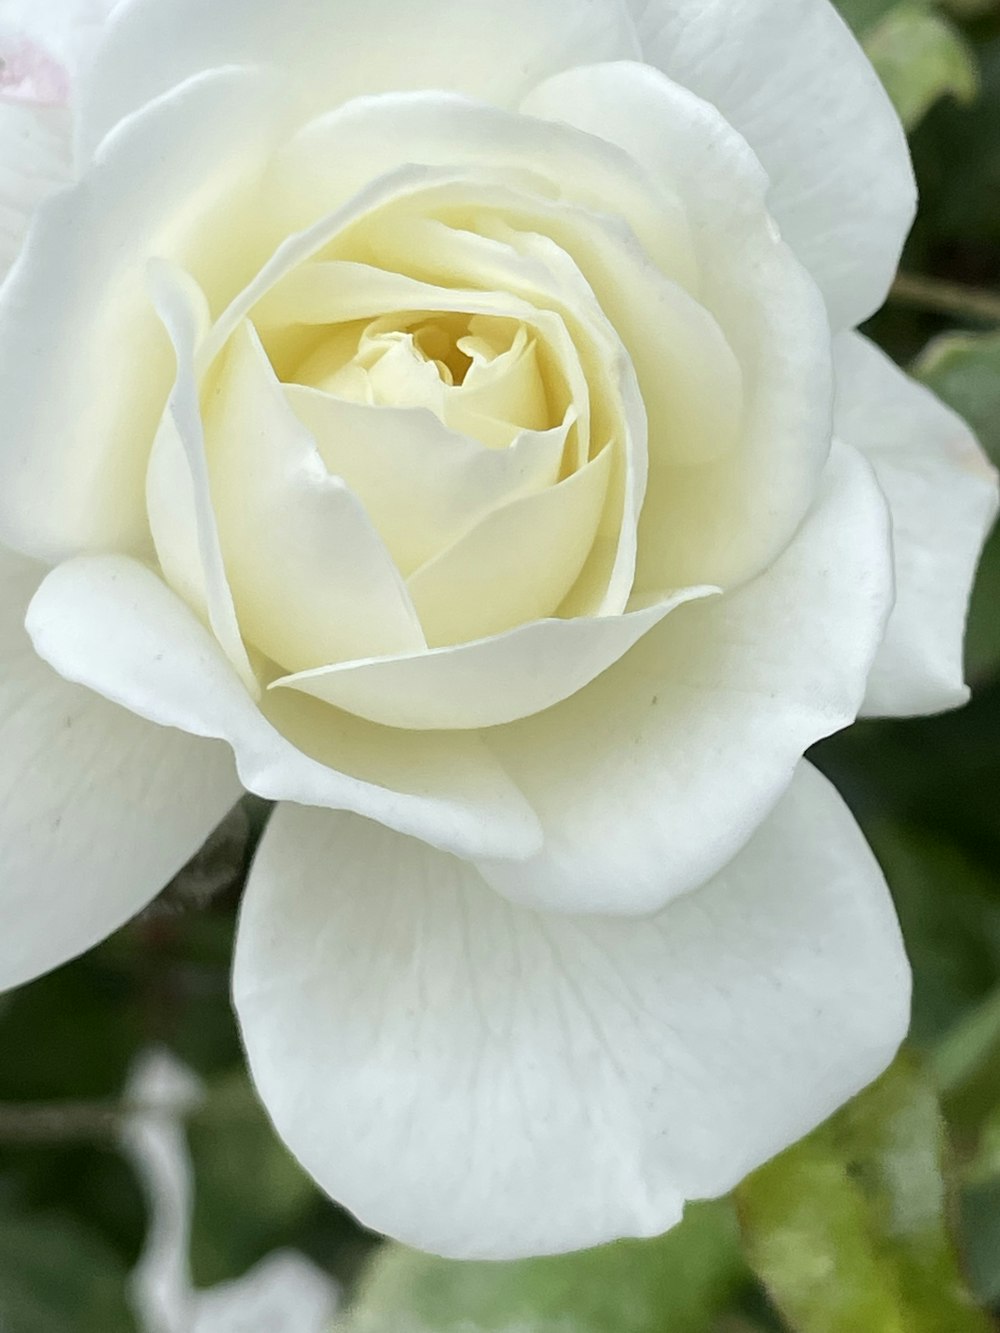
(942, 494)
(29, 73)
(653, 777)
(790, 77)
(495, 49)
(110, 623)
(46, 43)
(483, 1081)
(75, 311)
(734, 509)
(100, 808)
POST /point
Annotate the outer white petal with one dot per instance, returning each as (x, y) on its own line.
(113, 625)
(85, 366)
(484, 1081)
(791, 78)
(653, 777)
(99, 808)
(942, 494)
(34, 161)
(494, 49)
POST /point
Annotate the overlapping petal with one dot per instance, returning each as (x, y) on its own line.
(650, 779)
(312, 580)
(75, 311)
(495, 49)
(790, 77)
(100, 807)
(421, 483)
(109, 623)
(942, 494)
(513, 1083)
(724, 517)
(487, 682)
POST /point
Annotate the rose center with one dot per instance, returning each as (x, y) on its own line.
(480, 374)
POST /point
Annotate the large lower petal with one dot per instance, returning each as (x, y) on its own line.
(942, 494)
(655, 775)
(791, 78)
(495, 49)
(100, 808)
(484, 1081)
(111, 624)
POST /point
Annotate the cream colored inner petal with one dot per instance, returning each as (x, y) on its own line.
(439, 432)
(312, 580)
(476, 246)
(481, 375)
(516, 565)
(423, 485)
(321, 308)
(575, 345)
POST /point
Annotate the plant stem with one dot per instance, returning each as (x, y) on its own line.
(64, 1122)
(955, 299)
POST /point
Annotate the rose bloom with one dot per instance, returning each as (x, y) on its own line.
(444, 420)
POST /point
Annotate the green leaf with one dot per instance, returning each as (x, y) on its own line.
(921, 57)
(848, 1229)
(964, 370)
(679, 1283)
(862, 15)
(965, 1065)
(980, 1214)
(54, 1276)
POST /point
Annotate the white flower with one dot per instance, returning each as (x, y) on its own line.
(421, 403)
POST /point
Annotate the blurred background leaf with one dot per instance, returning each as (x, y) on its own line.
(681, 1282)
(849, 1229)
(56, 1277)
(920, 56)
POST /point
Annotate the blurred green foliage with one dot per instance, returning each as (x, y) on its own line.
(682, 1282)
(849, 1229)
(865, 1227)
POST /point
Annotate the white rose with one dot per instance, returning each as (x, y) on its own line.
(433, 403)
